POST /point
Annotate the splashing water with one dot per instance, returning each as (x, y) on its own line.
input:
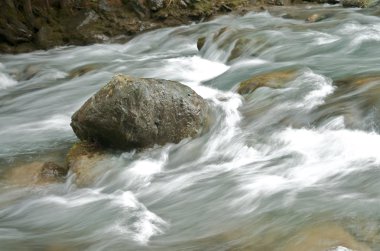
(274, 161)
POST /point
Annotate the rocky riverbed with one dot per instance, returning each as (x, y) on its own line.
(288, 158)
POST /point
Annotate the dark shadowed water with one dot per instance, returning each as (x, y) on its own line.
(275, 162)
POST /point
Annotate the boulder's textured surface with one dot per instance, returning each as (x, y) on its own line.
(134, 112)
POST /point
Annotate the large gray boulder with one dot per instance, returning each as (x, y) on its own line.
(132, 112)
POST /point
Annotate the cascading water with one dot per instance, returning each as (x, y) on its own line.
(274, 162)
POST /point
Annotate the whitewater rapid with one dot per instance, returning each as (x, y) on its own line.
(273, 162)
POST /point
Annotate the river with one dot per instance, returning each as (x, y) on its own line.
(274, 162)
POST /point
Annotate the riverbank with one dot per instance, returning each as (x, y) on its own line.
(26, 27)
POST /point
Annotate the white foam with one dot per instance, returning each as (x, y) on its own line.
(334, 124)
(229, 126)
(6, 81)
(327, 153)
(191, 70)
(147, 167)
(147, 223)
(360, 33)
(324, 38)
(134, 220)
(340, 248)
(317, 86)
(250, 62)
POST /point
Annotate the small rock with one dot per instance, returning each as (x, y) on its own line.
(80, 71)
(201, 42)
(315, 18)
(36, 173)
(272, 79)
(132, 112)
(28, 73)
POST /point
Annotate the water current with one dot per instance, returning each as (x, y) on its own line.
(276, 164)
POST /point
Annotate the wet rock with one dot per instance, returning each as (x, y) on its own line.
(358, 80)
(85, 160)
(201, 42)
(272, 79)
(82, 70)
(238, 49)
(315, 18)
(27, 73)
(225, 38)
(359, 3)
(220, 32)
(132, 112)
(323, 238)
(36, 173)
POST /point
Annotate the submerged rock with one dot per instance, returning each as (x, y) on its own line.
(272, 79)
(316, 18)
(323, 238)
(85, 161)
(82, 70)
(357, 81)
(36, 173)
(132, 112)
(238, 49)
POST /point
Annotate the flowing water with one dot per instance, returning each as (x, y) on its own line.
(275, 162)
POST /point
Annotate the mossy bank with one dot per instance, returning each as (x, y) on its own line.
(35, 24)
